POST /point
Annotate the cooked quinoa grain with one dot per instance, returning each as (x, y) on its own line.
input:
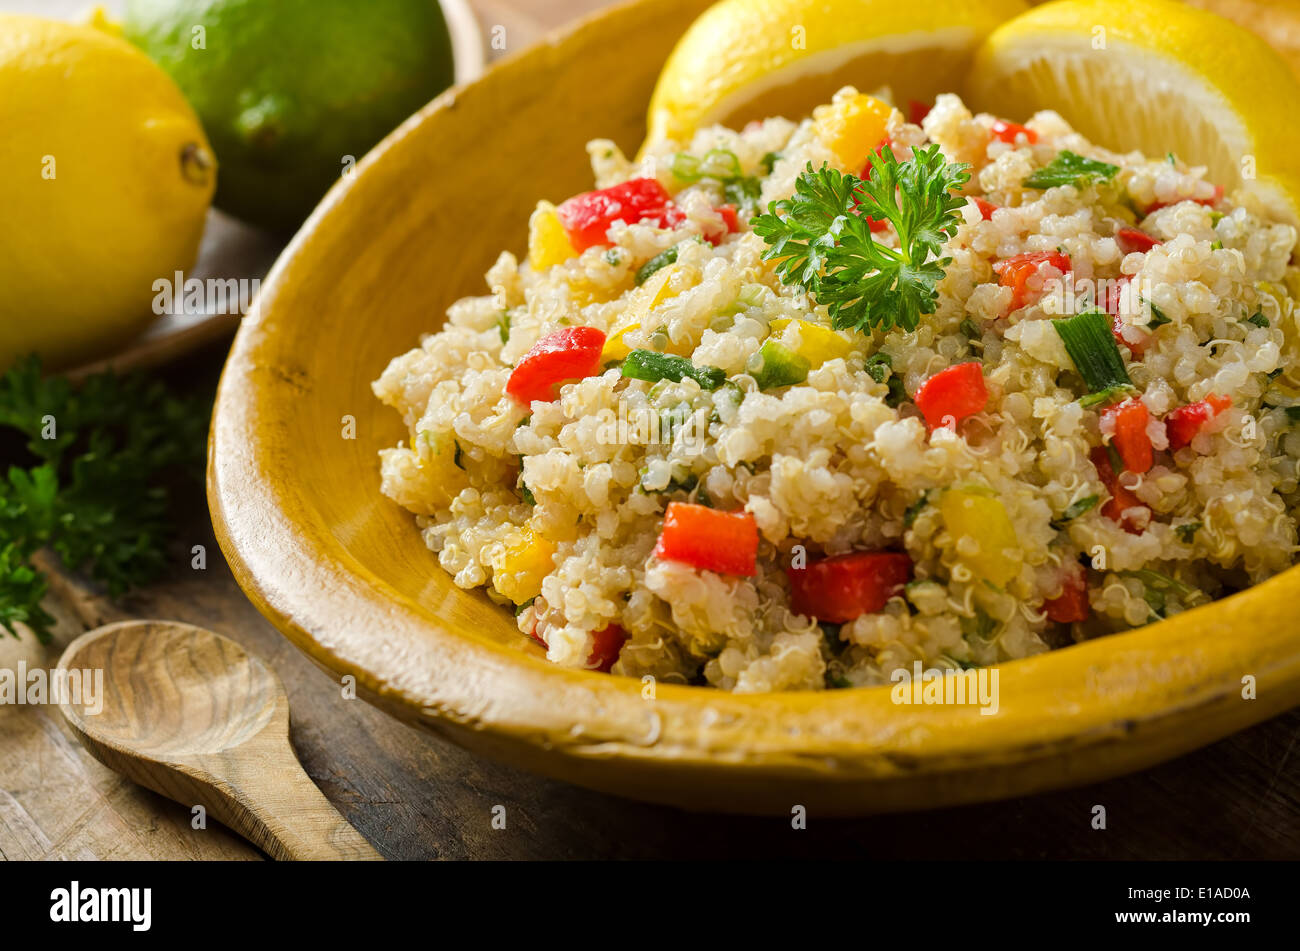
(797, 458)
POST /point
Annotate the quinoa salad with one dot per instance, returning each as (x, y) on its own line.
(798, 406)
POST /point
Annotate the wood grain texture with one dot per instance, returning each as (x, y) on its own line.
(196, 718)
(417, 797)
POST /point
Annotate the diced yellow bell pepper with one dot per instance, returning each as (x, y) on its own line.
(437, 455)
(659, 288)
(615, 348)
(813, 342)
(548, 244)
(983, 518)
(517, 572)
(853, 128)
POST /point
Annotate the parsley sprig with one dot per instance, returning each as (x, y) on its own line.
(822, 238)
(92, 481)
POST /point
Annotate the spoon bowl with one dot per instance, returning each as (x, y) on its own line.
(193, 716)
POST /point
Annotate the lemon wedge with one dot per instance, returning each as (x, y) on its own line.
(1157, 76)
(751, 59)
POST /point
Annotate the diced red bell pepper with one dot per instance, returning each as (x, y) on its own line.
(729, 218)
(844, 587)
(1114, 290)
(696, 535)
(608, 642)
(986, 207)
(1009, 131)
(1121, 499)
(1130, 419)
(917, 111)
(1207, 202)
(1015, 272)
(570, 353)
(1131, 240)
(588, 216)
(1071, 604)
(956, 392)
(1183, 423)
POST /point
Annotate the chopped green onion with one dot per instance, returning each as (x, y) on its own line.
(720, 164)
(526, 493)
(503, 326)
(1074, 510)
(1258, 319)
(1108, 395)
(1187, 531)
(768, 162)
(652, 367)
(656, 263)
(775, 365)
(879, 366)
(1069, 168)
(1091, 345)
(968, 328)
(1216, 245)
(457, 455)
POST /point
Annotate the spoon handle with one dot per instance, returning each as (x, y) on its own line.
(282, 812)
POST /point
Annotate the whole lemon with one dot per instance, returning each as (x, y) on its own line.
(105, 180)
(294, 92)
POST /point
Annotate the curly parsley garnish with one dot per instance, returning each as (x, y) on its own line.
(93, 468)
(1069, 168)
(822, 237)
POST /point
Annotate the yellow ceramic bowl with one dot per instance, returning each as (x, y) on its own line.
(344, 573)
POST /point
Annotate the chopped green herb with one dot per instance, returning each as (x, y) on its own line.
(836, 682)
(521, 608)
(1216, 217)
(980, 626)
(743, 192)
(686, 485)
(912, 511)
(1091, 345)
(897, 394)
(1069, 168)
(526, 493)
(1074, 510)
(1169, 157)
(1187, 531)
(822, 238)
(456, 456)
(768, 162)
(656, 263)
(969, 329)
(652, 367)
(1258, 319)
(1158, 317)
(503, 326)
(775, 365)
(614, 257)
(1216, 245)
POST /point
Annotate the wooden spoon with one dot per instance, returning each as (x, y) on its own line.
(192, 716)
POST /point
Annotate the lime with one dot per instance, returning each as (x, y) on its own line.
(293, 92)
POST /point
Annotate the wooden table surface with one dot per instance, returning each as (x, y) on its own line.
(415, 797)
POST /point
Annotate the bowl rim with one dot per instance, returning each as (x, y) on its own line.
(1083, 712)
